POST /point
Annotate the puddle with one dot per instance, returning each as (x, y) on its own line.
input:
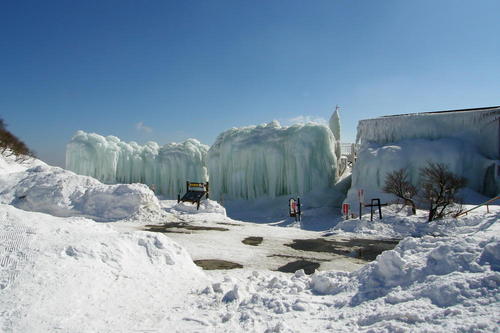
(308, 266)
(365, 249)
(211, 264)
(167, 227)
(297, 257)
(252, 240)
(232, 224)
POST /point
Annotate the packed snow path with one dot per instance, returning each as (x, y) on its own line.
(14, 251)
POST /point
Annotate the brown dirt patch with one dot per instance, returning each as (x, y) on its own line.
(252, 240)
(212, 264)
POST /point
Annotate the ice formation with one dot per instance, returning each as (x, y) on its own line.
(270, 160)
(113, 161)
(334, 124)
(468, 142)
(478, 127)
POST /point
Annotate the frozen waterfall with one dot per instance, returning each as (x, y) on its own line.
(111, 160)
(271, 160)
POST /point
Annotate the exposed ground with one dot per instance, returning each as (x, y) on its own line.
(256, 246)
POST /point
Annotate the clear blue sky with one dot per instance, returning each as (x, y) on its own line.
(196, 68)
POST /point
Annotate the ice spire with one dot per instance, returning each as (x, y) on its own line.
(335, 123)
(335, 128)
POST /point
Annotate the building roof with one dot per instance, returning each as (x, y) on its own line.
(488, 108)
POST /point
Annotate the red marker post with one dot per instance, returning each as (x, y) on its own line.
(345, 210)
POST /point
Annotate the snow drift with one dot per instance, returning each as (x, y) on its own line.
(72, 274)
(59, 192)
(271, 160)
(427, 284)
(112, 161)
(465, 141)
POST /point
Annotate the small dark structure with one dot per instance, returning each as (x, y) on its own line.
(375, 203)
(294, 208)
(194, 193)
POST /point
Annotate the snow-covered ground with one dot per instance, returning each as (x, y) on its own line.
(61, 271)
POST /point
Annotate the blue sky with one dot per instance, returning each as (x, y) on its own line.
(168, 70)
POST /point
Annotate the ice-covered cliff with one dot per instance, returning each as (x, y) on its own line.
(111, 160)
(271, 160)
(480, 127)
(467, 141)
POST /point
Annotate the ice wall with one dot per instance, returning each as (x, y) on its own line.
(480, 128)
(111, 161)
(271, 160)
(466, 141)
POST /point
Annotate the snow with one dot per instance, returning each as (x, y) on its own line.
(465, 141)
(270, 161)
(425, 284)
(206, 207)
(59, 192)
(396, 225)
(113, 161)
(72, 274)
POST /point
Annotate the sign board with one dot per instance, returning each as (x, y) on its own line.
(345, 209)
(293, 207)
(361, 195)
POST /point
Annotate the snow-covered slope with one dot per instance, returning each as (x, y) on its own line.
(75, 275)
(112, 161)
(271, 160)
(59, 192)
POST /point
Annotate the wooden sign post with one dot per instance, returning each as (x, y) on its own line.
(361, 197)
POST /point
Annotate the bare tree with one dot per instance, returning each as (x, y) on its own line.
(397, 183)
(10, 145)
(439, 188)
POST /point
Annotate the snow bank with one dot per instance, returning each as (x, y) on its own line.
(428, 284)
(113, 161)
(206, 207)
(60, 192)
(395, 225)
(72, 273)
(271, 160)
(9, 164)
(447, 271)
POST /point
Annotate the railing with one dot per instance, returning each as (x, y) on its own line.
(347, 149)
(476, 207)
